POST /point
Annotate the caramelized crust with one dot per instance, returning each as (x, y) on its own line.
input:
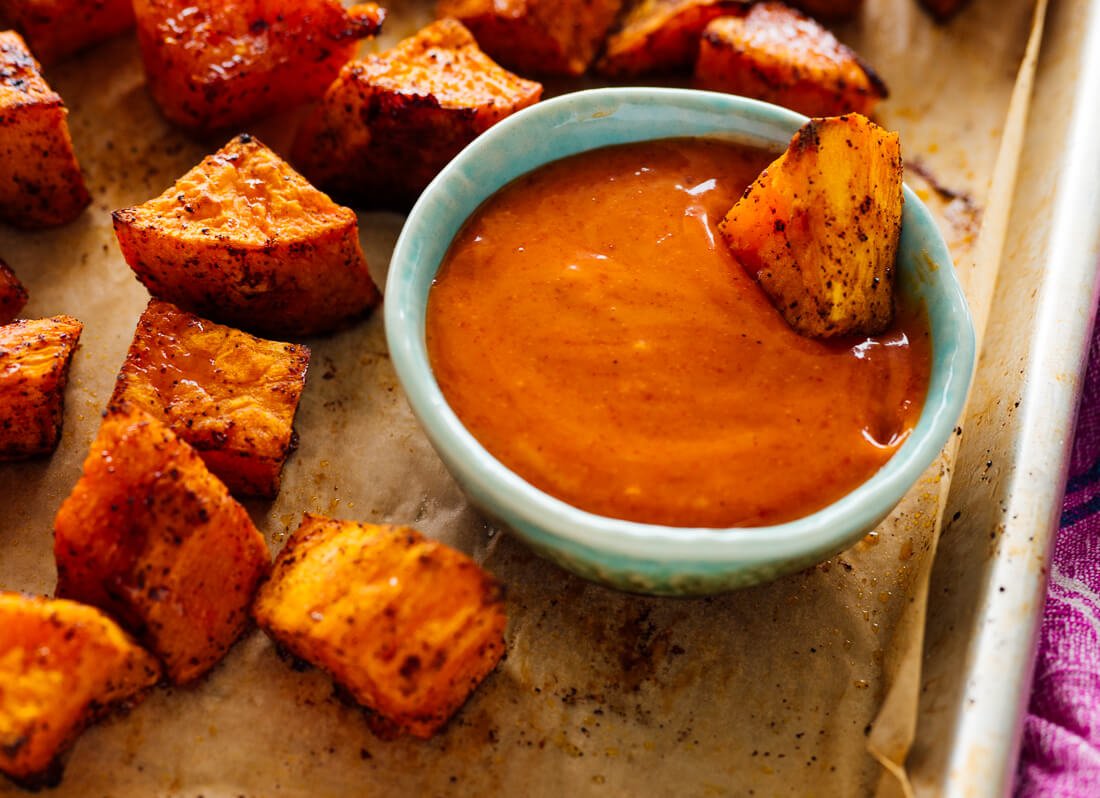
(407, 625)
(150, 536)
(62, 666)
(57, 28)
(215, 64)
(820, 227)
(34, 368)
(13, 296)
(537, 37)
(243, 239)
(661, 35)
(230, 395)
(389, 124)
(776, 54)
(40, 180)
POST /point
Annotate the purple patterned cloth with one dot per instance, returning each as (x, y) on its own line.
(1061, 746)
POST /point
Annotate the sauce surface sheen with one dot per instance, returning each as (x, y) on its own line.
(591, 330)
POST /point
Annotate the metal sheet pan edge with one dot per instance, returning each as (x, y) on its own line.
(989, 584)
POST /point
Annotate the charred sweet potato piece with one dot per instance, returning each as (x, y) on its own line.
(243, 239)
(776, 54)
(62, 666)
(215, 64)
(661, 35)
(57, 28)
(537, 37)
(820, 227)
(829, 10)
(40, 180)
(230, 395)
(34, 368)
(389, 124)
(13, 296)
(408, 626)
(150, 536)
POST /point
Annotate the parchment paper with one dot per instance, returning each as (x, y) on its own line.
(780, 689)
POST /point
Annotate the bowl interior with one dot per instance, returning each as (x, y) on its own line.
(587, 120)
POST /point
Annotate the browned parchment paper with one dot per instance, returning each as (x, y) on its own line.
(774, 690)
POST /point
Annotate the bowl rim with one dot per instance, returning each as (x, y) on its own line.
(830, 529)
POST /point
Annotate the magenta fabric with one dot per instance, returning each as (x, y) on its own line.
(1061, 746)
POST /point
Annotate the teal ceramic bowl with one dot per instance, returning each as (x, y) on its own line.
(631, 556)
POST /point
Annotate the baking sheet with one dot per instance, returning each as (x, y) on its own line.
(777, 689)
(988, 588)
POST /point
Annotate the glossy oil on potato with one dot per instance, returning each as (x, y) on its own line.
(55, 29)
(150, 536)
(389, 123)
(41, 184)
(537, 37)
(63, 665)
(661, 35)
(593, 333)
(35, 355)
(245, 240)
(219, 64)
(408, 626)
(774, 53)
(230, 395)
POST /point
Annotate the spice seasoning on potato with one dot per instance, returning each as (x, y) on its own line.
(230, 395)
(216, 64)
(245, 240)
(151, 537)
(58, 28)
(389, 123)
(40, 180)
(34, 369)
(661, 35)
(13, 296)
(820, 227)
(62, 666)
(408, 626)
(537, 37)
(776, 54)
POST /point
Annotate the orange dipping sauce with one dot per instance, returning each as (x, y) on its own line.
(591, 330)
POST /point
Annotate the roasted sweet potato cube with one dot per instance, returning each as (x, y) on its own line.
(243, 239)
(34, 368)
(537, 37)
(408, 626)
(40, 180)
(13, 296)
(230, 395)
(389, 124)
(62, 666)
(820, 227)
(216, 64)
(661, 35)
(776, 54)
(150, 536)
(57, 28)
(829, 10)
